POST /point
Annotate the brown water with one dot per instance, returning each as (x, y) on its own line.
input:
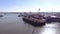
(12, 24)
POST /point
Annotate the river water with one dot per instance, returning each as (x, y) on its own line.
(12, 24)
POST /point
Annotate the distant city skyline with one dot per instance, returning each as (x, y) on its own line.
(29, 5)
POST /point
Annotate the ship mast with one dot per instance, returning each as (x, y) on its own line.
(39, 11)
(52, 12)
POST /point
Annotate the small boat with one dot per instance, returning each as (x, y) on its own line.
(19, 15)
(34, 20)
(1, 15)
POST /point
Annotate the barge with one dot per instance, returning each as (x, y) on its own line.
(53, 19)
(34, 20)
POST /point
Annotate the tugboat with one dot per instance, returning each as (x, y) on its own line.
(35, 20)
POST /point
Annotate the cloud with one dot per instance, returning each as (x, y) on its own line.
(44, 8)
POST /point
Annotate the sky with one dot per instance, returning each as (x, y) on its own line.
(29, 5)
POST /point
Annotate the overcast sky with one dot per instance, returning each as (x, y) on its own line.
(29, 5)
